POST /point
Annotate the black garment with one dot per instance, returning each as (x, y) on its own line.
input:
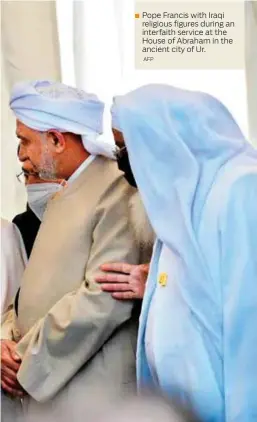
(124, 165)
(28, 225)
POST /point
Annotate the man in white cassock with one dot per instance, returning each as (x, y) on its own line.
(13, 261)
(76, 343)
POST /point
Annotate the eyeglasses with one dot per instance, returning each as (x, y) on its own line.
(22, 177)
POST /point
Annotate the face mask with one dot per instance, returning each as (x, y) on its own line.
(124, 165)
(39, 194)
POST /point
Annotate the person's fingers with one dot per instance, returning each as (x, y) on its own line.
(7, 360)
(6, 388)
(127, 295)
(10, 381)
(9, 346)
(119, 267)
(101, 278)
(12, 391)
(140, 272)
(15, 355)
(145, 268)
(8, 372)
(115, 287)
(112, 278)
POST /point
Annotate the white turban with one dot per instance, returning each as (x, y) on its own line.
(45, 105)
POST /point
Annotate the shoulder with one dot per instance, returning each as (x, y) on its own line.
(7, 228)
(114, 181)
(243, 190)
(240, 207)
(9, 235)
(5, 223)
(110, 169)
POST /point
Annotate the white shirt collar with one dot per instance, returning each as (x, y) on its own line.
(81, 168)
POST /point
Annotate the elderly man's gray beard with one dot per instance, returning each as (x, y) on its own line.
(47, 169)
(140, 225)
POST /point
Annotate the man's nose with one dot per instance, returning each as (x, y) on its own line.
(22, 153)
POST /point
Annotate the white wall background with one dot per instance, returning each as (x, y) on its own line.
(251, 67)
(103, 33)
(30, 50)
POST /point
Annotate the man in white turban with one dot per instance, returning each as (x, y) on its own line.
(76, 343)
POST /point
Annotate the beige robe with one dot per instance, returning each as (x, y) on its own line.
(77, 343)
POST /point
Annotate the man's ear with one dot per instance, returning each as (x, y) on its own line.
(57, 140)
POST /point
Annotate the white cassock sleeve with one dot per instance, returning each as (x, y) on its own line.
(13, 261)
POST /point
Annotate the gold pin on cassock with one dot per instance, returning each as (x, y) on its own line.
(163, 278)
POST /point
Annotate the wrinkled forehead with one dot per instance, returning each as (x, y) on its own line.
(23, 131)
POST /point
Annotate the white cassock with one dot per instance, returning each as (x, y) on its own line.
(13, 261)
